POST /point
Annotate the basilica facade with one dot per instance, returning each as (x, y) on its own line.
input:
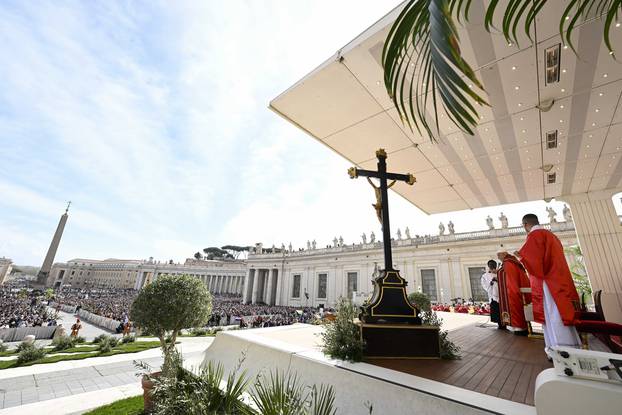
(445, 267)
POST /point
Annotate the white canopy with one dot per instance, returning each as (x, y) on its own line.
(344, 105)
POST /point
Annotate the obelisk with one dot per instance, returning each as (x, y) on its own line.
(44, 272)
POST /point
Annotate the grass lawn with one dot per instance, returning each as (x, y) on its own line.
(128, 406)
(121, 348)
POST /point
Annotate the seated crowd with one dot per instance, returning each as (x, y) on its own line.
(23, 308)
(226, 309)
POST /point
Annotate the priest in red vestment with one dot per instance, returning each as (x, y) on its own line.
(512, 277)
(553, 293)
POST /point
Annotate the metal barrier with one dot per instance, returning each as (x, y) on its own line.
(18, 334)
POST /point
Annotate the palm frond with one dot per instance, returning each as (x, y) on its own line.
(578, 11)
(421, 58)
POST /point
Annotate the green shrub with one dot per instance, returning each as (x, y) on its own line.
(63, 343)
(342, 339)
(99, 338)
(23, 346)
(449, 350)
(30, 353)
(421, 301)
(107, 344)
(128, 339)
(79, 340)
(199, 331)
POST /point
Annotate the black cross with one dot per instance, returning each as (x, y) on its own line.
(382, 202)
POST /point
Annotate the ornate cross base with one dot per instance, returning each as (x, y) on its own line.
(389, 303)
(400, 341)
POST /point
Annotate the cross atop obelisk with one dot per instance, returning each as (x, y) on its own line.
(44, 272)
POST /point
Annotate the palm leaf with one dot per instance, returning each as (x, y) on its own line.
(422, 60)
(422, 51)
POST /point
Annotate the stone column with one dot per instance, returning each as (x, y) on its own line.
(600, 236)
(279, 289)
(269, 299)
(247, 291)
(256, 285)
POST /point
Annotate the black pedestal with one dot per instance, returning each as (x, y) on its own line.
(400, 341)
(389, 303)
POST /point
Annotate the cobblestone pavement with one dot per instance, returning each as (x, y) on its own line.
(21, 390)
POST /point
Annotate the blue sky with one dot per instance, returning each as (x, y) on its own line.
(151, 117)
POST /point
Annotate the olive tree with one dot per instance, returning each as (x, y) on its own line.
(170, 304)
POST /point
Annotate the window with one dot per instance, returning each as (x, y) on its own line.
(551, 60)
(322, 281)
(551, 178)
(352, 283)
(428, 283)
(551, 140)
(296, 286)
(477, 292)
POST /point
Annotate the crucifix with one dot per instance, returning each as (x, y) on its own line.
(68, 204)
(382, 201)
(389, 302)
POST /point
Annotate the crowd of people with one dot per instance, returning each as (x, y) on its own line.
(227, 309)
(24, 308)
(110, 303)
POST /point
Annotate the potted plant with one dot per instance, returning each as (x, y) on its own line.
(164, 308)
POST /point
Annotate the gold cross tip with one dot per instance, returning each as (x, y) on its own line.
(381, 153)
(353, 173)
(411, 179)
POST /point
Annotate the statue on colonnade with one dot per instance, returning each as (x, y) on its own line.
(441, 229)
(399, 234)
(407, 232)
(552, 214)
(491, 225)
(364, 238)
(567, 214)
(372, 237)
(450, 226)
(504, 221)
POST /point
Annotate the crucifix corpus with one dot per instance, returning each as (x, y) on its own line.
(390, 324)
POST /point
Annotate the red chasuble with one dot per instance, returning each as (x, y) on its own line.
(512, 277)
(543, 257)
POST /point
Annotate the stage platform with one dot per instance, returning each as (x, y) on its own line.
(496, 375)
(494, 362)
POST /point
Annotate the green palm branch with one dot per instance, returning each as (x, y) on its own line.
(423, 64)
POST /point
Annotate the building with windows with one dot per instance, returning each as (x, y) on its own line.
(445, 267)
(219, 276)
(5, 269)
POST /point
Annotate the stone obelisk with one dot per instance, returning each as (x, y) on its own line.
(44, 272)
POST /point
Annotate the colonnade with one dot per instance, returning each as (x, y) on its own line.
(262, 286)
(222, 284)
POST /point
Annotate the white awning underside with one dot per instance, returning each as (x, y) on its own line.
(344, 105)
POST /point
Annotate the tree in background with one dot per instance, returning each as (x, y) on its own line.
(168, 305)
(214, 252)
(198, 256)
(235, 251)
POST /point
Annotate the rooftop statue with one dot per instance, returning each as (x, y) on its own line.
(341, 241)
(399, 234)
(552, 214)
(335, 242)
(407, 232)
(372, 237)
(441, 229)
(491, 225)
(313, 244)
(364, 238)
(450, 226)
(504, 221)
(567, 214)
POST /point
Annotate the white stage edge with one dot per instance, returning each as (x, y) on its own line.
(296, 349)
